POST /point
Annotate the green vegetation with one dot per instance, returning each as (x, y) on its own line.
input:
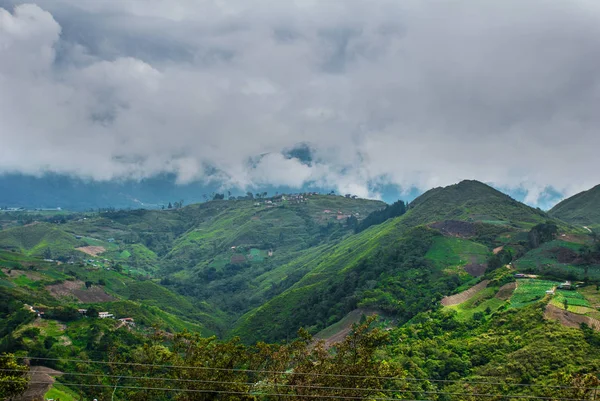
(62, 393)
(581, 209)
(530, 290)
(451, 251)
(262, 268)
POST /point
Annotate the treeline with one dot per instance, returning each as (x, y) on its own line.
(197, 368)
(396, 209)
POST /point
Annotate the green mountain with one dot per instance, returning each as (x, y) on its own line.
(472, 201)
(400, 267)
(582, 209)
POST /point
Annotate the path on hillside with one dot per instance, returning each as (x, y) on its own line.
(345, 326)
(465, 295)
(40, 382)
(570, 319)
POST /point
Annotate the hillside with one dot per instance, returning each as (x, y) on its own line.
(582, 209)
(39, 239)
(261, 268)
(402, 266)
(226, 255)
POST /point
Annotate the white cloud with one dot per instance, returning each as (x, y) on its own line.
(415, 93)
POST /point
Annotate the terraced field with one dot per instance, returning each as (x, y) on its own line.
(529, 291)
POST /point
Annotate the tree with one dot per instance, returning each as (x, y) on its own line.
(88, 284)
(13, 380)
(47, 253)
(92, 312)
(170, 206)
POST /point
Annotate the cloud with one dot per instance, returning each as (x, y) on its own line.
(414, 94)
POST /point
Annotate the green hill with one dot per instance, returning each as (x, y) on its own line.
(39, 239)
(472, 201)
(398, 267)
(582, 209)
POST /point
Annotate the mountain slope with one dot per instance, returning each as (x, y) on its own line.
(472, 201)
(582, 209)
(390, 266)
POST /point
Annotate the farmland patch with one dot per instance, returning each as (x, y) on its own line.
(91, 250)
(529, 291)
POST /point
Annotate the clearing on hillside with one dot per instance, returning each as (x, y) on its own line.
(77, 289)
(92, 250)
(455, 228)
(529, 291)
(41, 381)
(458, 254)
(570, 319)
(338, 331)
(506, 291)
(465, 295)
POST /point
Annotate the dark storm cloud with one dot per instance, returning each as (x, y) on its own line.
(413, 93)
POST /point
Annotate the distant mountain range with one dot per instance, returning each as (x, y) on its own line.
(70, 193)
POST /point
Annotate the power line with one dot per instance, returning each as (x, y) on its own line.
(316, 387)
(529, 397)
(297, 373)
(339, 397)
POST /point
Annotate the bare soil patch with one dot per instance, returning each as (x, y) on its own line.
(40, 383)
(497, 250)
(505, 292)
(455, 228)
(77, 289)
(476, 269)
(564, 255)
(465, 295)
(18, 273)
(91, 250)
(570, 319)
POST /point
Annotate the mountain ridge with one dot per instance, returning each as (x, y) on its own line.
(581, 209)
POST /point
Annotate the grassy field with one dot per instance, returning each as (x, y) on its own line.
(479, 303)
(62, 393)
(451, 251)
(529, 291)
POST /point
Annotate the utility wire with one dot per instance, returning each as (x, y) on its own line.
(532, 397)
(297, 373)
(339, 397)
(313, 387)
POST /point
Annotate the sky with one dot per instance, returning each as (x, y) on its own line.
(408, 94)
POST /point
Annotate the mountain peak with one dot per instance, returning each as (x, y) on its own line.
(471, 200)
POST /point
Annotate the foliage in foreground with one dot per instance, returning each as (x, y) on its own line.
(13, 378)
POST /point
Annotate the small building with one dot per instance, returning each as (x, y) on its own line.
(128, 321)
(105, 315)
(82, 311)
(566, 286)
(111, 240)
